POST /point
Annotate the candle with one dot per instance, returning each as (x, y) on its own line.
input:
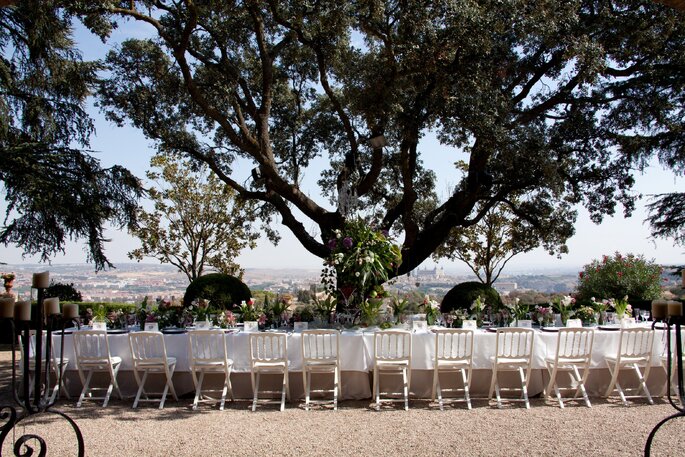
(675, 308)
(51, 306)
(683, 274)
(659, 309)
(7, 308)
(22, 310)
(41, 280)
(70, 310)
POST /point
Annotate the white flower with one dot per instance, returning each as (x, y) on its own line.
(357, 274)
(517, 300)
(367, 259)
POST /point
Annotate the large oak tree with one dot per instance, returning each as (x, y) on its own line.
(557, 103)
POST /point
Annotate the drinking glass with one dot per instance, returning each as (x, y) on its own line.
(638, 314)
(645, 314)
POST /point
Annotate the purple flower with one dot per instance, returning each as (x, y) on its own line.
(347, 242)
(332, 244)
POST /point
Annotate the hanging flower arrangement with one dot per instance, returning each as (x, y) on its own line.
(361, 260)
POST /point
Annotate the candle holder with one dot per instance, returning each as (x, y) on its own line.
(37, 401)
(671, 322)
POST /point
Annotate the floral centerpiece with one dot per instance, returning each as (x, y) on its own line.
(324, 308)
(586, 314)
(518, 310)
(370, 311)
(432, 310)
(225, 319)
(399, 309)
(8, 279)
(544, 315)
(456, 317)
(250, 311)
(361, 259)
(622, 307)
(478, 310)
(600, 308)
(564, 306)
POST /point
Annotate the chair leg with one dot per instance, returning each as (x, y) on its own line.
(435, 382)
(141, 385)
(467, 394)
(223, 394)
(376, 390)
(113, 372)
(643, 381)
(306, 388)
(614, 377)
(284, 387)
(436, 388)
(164, 394)
(524, 388)
(552, 381)
(581, 384)
(336, 387)
(170, 380)
(493, 382)
(256, 391)
(198, 388)
(86, 388)
(406, 388)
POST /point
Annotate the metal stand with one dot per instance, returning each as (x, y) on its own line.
(38, 401)
(675, 322)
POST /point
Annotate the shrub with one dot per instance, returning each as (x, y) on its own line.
(65, 292)
(221, 290)
(462, 295)
(618, 276)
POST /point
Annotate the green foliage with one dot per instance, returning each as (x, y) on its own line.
(222, 291)
(65, 292)
(667, 215)
(464, 294)
(198, 221)
(324, 307)
(619, 276)
(54, 191)
(487, 246)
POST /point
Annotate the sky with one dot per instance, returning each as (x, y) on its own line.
(128, 147)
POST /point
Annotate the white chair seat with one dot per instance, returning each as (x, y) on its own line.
(148, 353)
(93, 355)
(320, 349)
(634, 350)
(208, 354)
(514, 349)
(453, 353)
(392, 352)
(573, 354)
(269, 355)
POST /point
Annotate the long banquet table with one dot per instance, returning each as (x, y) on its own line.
(356, 358)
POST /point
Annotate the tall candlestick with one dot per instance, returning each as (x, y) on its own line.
(22, 310)
(51, 306)
(675, 308)
(659, 309)
(683, 275)
(70, 310)
(7, 308)
(41, 280)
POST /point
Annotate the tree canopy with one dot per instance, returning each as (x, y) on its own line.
(556, 103)
(55, 190)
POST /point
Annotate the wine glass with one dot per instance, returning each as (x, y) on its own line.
(638, 314)
(645, 314)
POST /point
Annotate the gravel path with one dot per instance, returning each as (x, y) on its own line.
(606, 429)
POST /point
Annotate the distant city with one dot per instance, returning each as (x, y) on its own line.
(132, 282)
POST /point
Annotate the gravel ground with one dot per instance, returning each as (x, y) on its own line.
(608, 428)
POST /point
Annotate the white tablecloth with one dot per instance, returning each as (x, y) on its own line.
(356, 358)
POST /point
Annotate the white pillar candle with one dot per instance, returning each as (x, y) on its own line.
(22, 310)
(659, 309)
(7, 308)
(675, 308)
(41, 280)
(51, 306)
(70, 310)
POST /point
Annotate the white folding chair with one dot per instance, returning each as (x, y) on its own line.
(269, 355)
(149, 356)
(514, 350)
(573, 353)
(453, 354)
(92, 355)
(320, 354)
(392, 354)
(634, 350)
(208, 355)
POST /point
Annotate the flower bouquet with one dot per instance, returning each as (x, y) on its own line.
(432, 310)
(586, 314)
(564, 306)
(477, 310)
(622, 307)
